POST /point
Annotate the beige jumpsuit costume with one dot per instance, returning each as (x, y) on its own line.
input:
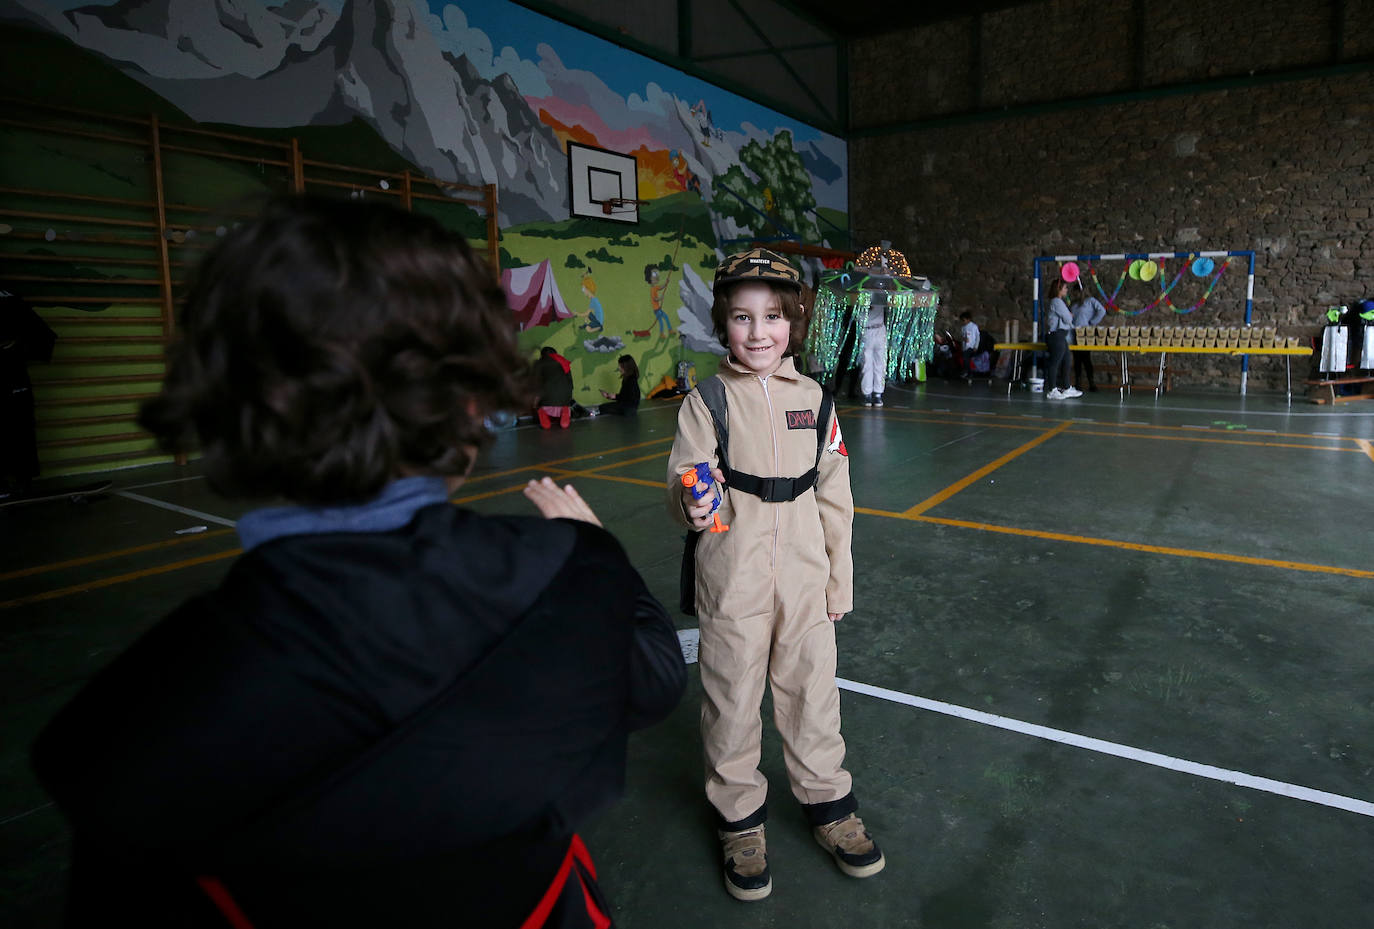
(763, 590)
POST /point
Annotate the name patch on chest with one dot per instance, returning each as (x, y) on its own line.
(801, 419)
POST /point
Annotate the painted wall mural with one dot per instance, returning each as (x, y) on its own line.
(490, 92)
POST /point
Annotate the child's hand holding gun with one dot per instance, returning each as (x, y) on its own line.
(701, 497)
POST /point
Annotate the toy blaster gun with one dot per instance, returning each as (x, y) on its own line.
(700, 483)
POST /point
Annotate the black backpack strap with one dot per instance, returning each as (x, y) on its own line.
(712, 393)
(822, 420)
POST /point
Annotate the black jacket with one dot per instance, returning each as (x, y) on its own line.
(395, 728)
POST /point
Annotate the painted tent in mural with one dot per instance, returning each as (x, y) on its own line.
(490, 92)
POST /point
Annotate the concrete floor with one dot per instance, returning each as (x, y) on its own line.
(1085, 621)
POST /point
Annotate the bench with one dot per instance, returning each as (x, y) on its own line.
(1330, 384)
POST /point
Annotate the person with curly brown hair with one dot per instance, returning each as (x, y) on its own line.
(392, 710)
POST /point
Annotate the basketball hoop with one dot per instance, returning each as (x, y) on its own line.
(618, 205)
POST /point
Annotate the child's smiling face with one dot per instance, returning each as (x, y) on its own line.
(756, 330)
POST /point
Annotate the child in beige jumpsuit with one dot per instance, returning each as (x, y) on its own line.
(769, 589)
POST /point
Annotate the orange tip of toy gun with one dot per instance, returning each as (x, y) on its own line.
(689, 479)
(719, 526)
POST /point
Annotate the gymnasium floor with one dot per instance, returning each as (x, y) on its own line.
(1110, 664)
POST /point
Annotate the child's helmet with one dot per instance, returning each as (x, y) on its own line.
(757, 264)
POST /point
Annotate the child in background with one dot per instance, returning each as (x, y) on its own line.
(625, 402)
(392, 711)
(769, 590)
(553, 378)
(971, 343)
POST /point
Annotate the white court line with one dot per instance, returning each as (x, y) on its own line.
(1240, 779)
(689, 639)
(175, 480)
(1135, 422)
(960, 439)
(209, 517)
(1328, 435)
(10, 819)
(1187, 426)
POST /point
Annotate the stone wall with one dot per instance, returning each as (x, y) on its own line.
(1279, 166)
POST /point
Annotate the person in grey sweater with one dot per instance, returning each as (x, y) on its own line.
(1058, 332)
(1088, 311)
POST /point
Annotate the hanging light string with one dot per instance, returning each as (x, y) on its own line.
(1211, 285)
(1110, 301)
(831, 317)
(1165, 290)
(911, 325)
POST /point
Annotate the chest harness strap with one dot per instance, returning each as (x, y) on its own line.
(767, 489)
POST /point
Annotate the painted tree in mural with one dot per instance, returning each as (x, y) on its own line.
(777, 184)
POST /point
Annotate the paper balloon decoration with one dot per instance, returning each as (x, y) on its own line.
(1203, 267)
(1134, 269)
(1148, 270)
(1069, 272)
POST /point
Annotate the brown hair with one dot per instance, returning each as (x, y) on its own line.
(328, 346)
(789, 302)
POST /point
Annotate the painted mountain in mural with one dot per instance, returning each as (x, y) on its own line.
(299, 64)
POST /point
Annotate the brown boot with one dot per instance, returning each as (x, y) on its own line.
(851, 846)
(746, 864)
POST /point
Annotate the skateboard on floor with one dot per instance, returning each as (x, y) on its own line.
(78, 494)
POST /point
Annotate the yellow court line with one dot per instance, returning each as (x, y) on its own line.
(1368, 447)
(117, 579)
(888, 514)
(1194, 435)
(1140, 547)
(488, 494)
(619, 479)
(1200, 438)
(897, 416)
(91, 559)
(543, 465)
(1211, 429)
(985, 470)
(1105, 424)
(889, 412)
(1116, 543)
(615, 478)
(616, 464)
(562, 474)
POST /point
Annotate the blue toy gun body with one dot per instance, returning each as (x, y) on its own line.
(700, 482)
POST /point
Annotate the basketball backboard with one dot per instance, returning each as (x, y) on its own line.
(603, 184)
